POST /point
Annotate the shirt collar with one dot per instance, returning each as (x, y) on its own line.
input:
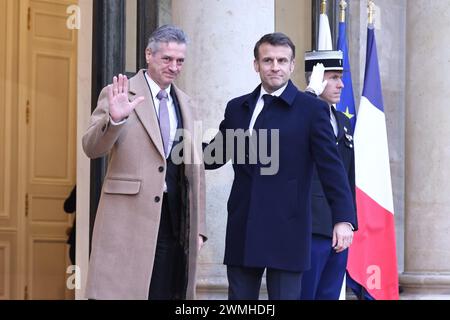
(275, 93)
(154, 88)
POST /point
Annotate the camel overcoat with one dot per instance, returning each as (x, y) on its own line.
(128, 215)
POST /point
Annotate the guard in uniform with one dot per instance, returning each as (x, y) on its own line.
(324, 280)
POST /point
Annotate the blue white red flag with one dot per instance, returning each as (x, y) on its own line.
(372, 257)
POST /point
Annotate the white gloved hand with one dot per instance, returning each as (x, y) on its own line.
(316, 83)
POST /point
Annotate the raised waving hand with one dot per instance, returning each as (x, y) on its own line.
(119, 105)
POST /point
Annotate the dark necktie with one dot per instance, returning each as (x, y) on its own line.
(268, 98)
(164, 122)
(253, 143)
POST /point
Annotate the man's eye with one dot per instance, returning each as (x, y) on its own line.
(166, 59)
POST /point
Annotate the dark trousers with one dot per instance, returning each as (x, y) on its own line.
(168, 265)
(324, 280)
(244, 283)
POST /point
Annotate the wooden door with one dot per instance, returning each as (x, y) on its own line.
(8, 216)
(50, 135)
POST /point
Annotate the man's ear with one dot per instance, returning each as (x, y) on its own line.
(256, 65)
(292, 65)
(148, 54)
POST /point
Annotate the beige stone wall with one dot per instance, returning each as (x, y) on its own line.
(294, 19)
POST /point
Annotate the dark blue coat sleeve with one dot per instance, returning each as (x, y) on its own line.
(215, 152)
(332, 174)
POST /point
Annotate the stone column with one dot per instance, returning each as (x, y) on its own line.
(427, 201)
(219, 66)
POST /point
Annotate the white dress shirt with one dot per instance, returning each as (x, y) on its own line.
(333, 121)
(260, 105)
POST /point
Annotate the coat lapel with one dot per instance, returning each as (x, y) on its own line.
(185, 109)
(192, 145)
(146, 113)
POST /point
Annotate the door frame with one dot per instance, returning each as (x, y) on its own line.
(22, 149)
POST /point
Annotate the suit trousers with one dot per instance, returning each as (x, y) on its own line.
(244, 283)
(324, 280)
(168, 260)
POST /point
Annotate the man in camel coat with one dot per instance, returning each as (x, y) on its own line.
(150, 223)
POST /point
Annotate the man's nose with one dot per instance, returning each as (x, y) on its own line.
(173, 65)
(275, 65)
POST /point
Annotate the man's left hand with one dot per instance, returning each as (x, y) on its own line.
(342, 236)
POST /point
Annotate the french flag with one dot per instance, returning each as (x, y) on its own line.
(372, 257)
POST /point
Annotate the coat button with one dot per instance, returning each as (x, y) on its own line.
(161, 169)
(157, 199)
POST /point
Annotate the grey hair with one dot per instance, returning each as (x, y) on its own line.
(166, 34)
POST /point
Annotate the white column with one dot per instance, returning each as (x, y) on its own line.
(219, 66)
(427, 202)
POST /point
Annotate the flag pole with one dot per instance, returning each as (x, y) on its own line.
(370, 21)
(343, 6)
(371, 11)
(323, 7)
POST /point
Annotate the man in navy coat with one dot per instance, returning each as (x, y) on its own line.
(324, 280)
(269, 208)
